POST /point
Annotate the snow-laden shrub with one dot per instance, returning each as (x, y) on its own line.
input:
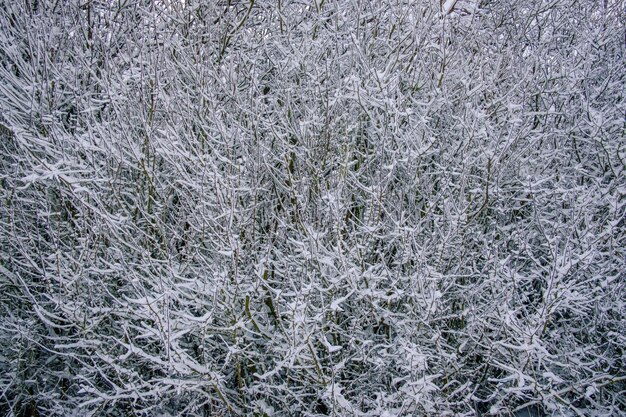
(374, 208)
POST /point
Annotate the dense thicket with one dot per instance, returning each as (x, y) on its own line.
(309, 207)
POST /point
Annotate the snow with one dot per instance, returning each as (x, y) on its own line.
(366, 208)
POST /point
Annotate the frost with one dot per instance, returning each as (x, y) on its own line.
(312, 208)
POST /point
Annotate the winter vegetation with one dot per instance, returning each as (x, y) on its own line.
(312, 208)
